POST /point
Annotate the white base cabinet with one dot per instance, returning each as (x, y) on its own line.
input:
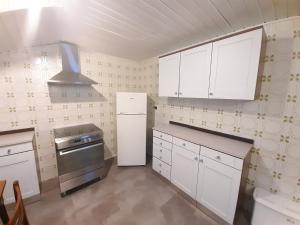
(218, 188)
(210, 177)
(19, 166)
(162, 156)
(162, 168)
(184, 170)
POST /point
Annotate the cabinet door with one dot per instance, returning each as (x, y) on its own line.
(195, 72)
(234, 68)
(184, 170)
(218, 188)
(19, 167)
(169, 75)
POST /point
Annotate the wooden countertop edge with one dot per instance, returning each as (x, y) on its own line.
(28, 136)
(2, 186)
(16, 131)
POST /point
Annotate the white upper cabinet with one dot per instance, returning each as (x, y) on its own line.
(234, 67)
(195, 72)
(224, 69)
(169, 75)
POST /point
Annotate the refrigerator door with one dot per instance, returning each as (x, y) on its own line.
(131, 135)
(131, 103)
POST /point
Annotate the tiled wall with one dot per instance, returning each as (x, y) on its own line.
(273, 121)
(27, 101)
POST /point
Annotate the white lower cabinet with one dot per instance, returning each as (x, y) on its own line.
(210, 177)
(184, 170)
(162, 154)
(218, 188)
(162, 148)
(161, 167)
(19, 167)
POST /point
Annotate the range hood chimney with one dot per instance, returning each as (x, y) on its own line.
(70, 74)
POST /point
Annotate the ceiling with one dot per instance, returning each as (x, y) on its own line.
(135, 29)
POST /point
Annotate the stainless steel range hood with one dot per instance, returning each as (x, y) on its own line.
(70, 74)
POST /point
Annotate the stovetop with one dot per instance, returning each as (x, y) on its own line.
(78, 130)
(73, 136)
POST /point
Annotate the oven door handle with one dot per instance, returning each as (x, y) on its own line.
(79, 149)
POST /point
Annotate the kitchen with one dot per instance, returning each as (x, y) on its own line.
(140, 47)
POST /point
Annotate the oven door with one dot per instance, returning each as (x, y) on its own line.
(74, 162)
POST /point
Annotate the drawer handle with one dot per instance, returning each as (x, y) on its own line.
(218, 157)
(183, 144)
(290, 221)
(8, 151)
(196, 158)
(161, 136)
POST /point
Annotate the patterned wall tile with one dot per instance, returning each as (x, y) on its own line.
(27, 101)
(273, 120)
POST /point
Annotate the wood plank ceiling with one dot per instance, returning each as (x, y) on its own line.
(136, 29)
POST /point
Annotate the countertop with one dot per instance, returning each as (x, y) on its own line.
(225, 145)
(16, 138)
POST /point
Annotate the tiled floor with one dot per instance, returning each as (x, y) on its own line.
(127, 196)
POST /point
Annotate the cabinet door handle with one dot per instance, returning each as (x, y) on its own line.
(201, 160)
(180, 93)
(160, 165)
(218, 157)
(8, 151)
(176, 93)
(160, 157)
(210, 93)
(183, 144)
(160, 171)
(160, 150)
(161, 136)
(196, 158)
(290, 221)
(160, 143)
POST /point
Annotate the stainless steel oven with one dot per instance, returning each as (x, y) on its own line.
(80, 155)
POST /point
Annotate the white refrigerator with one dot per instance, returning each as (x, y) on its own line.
(131, 113)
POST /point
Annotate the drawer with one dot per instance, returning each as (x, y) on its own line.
(14, 149)
(162, 135)
(187, 145)
(162, 168)
(162, 154)
(19, 167)
(223, 158)
(162, 143)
